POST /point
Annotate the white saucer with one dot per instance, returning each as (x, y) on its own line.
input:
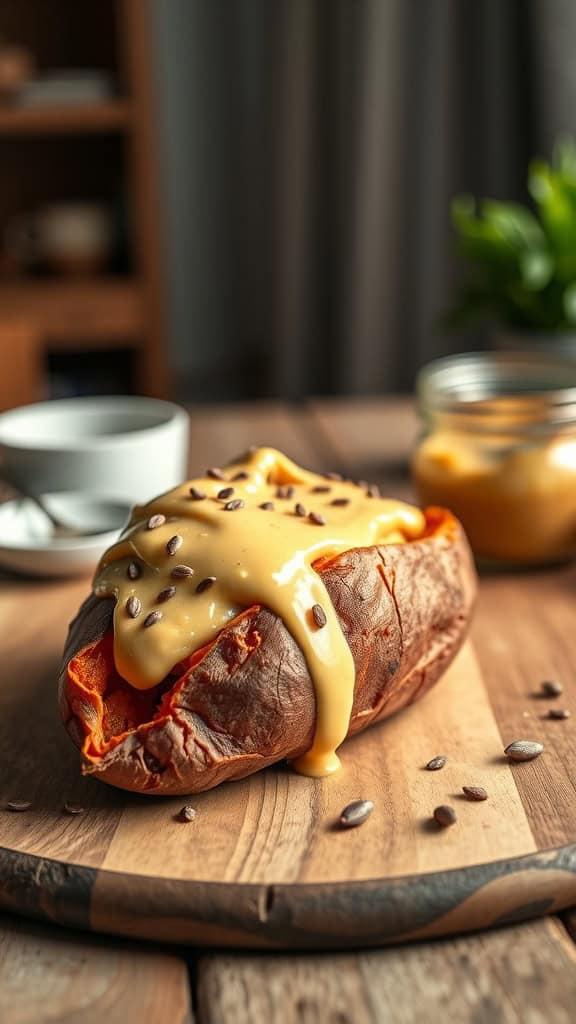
(28, 544)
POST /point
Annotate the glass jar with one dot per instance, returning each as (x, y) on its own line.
(499, 450)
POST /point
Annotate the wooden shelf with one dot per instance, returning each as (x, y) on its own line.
(103, 313)
(80, 119)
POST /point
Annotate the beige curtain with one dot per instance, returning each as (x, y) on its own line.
(324, 140)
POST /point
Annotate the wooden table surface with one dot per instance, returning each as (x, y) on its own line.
(525, 973)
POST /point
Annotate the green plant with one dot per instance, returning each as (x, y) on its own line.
(522, 262)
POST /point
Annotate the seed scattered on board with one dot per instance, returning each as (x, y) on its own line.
(19, 805)
(436, 763)
(72, 808)
(475, 793)
(187, 813)
(356, 813)
(551, 688)
(523, 750)
(444, 815)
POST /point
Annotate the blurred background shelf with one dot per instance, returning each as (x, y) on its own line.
(69, 313)
(84, 118)
(78, 152)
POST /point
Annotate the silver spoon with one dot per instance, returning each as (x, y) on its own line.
(61, 530)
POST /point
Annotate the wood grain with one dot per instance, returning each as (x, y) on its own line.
(368, 437)
(533, 642)
(218, 434)
(516, 975)
(263, 862)
(47, 974)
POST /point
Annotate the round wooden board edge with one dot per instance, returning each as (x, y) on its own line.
(339, 915)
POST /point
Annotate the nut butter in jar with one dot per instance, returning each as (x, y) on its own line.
(499, 450)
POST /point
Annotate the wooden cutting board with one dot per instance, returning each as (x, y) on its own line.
(263, 863)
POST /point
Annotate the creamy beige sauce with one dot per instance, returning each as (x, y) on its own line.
(251, 556)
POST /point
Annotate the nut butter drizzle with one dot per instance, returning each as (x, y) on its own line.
(260, 551)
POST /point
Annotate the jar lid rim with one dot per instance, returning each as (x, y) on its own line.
(470, 376)
(461, 383)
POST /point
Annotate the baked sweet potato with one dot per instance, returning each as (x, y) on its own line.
(246, 700)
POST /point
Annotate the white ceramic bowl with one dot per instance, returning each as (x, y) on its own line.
(122, 447)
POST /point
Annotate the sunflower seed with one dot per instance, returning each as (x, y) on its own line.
(334, 476)
(268, 506)
(234, 505)
(373, 491)
(174, 544)
(134, 571)
(285, 492)
(225, 493)
(181, 571)
(558, 714)
(445, 815)
(340, 501)
(475, 793)
(319, 615)
(19, 805)
(155, 521)
(317, 519)
(71, 808)
(196, 494)
(551, 688)
(356, 813)
(523, 750)
(152, 619)
(133, 606)
(166, 594)
(436, 763)
(242, 475)
(205, 584)
(187, 813)
(215, 473)
(299, 509)
(321, 489)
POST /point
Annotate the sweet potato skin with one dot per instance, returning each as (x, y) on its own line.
(249, 701)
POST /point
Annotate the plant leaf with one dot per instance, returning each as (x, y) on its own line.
(569, 302)
(536, 269)
(517, 223)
